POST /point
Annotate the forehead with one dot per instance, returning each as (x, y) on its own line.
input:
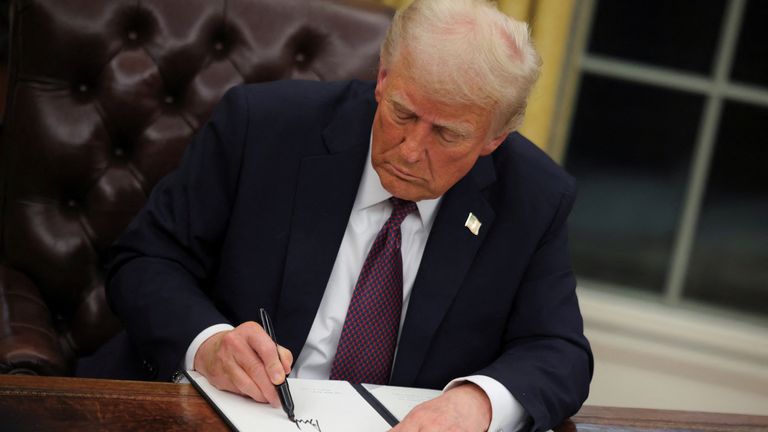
(403, 92)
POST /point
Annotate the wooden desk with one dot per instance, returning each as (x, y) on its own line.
(29, 403)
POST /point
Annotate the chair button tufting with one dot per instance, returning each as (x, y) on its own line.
(218, 46)
(119, 152)
(132, 35)
(300, 57)
(82, 88)
(169, 99)
(71, 203)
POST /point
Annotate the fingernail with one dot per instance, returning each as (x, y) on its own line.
(277, 377)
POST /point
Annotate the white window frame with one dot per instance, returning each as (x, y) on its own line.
(671, 338)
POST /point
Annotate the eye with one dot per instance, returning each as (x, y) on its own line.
(399, 113)
(403, 116)
(448, 136)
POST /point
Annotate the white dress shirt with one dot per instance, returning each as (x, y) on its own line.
(369, 213)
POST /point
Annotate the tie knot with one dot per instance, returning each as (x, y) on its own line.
(401, 209)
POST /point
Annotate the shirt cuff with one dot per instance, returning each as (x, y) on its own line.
(507, 415)
(189, 359)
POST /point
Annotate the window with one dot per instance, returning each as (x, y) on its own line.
(669, 143)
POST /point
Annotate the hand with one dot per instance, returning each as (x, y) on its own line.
(244, 361)
(465, 408)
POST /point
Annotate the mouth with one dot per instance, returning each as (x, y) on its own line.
(402, 174)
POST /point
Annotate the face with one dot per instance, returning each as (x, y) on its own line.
(422, 147)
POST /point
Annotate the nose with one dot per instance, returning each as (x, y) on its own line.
(414, 143)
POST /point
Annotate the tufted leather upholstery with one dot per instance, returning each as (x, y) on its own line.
(103, 98)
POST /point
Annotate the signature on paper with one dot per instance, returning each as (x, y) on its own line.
(311, 422)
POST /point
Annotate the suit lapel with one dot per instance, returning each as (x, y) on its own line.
(448, 255)
(326, 190)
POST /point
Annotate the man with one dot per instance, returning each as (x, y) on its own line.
(283, 202)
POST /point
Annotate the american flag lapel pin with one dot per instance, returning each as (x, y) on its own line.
(473, 224)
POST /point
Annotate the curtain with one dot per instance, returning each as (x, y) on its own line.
(396, 3)
(550, 22)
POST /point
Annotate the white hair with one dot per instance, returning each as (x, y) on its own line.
(466, 51)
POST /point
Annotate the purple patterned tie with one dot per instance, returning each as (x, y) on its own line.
(367, 344)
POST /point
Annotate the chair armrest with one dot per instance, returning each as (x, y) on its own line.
(28, 342)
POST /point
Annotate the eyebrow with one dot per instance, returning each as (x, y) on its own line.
(401, 107)
(458, 128)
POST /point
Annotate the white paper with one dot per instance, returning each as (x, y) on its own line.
(401, 400)
(323, 406)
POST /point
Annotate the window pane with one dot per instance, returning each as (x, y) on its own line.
(729, 265)
(751, 64)
(679, 34)
(630, 150)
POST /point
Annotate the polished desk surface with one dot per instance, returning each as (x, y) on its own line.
(30, 403)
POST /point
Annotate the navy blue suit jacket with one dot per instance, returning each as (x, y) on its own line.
(254, 216)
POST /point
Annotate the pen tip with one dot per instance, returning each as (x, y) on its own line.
(292, 418)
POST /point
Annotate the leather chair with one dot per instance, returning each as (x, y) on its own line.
(103, 97)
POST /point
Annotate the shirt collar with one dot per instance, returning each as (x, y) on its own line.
(371, 192)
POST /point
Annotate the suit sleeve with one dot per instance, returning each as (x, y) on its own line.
(160, 268)
(546, 362)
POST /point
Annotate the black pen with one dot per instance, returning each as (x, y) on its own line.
(282, 389)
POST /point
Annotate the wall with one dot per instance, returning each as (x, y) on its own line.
(648, 355)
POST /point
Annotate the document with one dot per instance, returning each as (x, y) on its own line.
(400, 400)
(320, 406)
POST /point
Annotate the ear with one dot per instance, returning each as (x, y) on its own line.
(491, 145)
(380, 78)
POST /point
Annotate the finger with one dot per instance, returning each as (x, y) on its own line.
(414, 421)
(254, 369)
(243, 383)
(266, 350)
(253, 366)
(286, 357)
(234, 352)
(404, 426)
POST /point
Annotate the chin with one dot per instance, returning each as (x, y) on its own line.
(402, 189)
(397, 189)
(409, 194)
